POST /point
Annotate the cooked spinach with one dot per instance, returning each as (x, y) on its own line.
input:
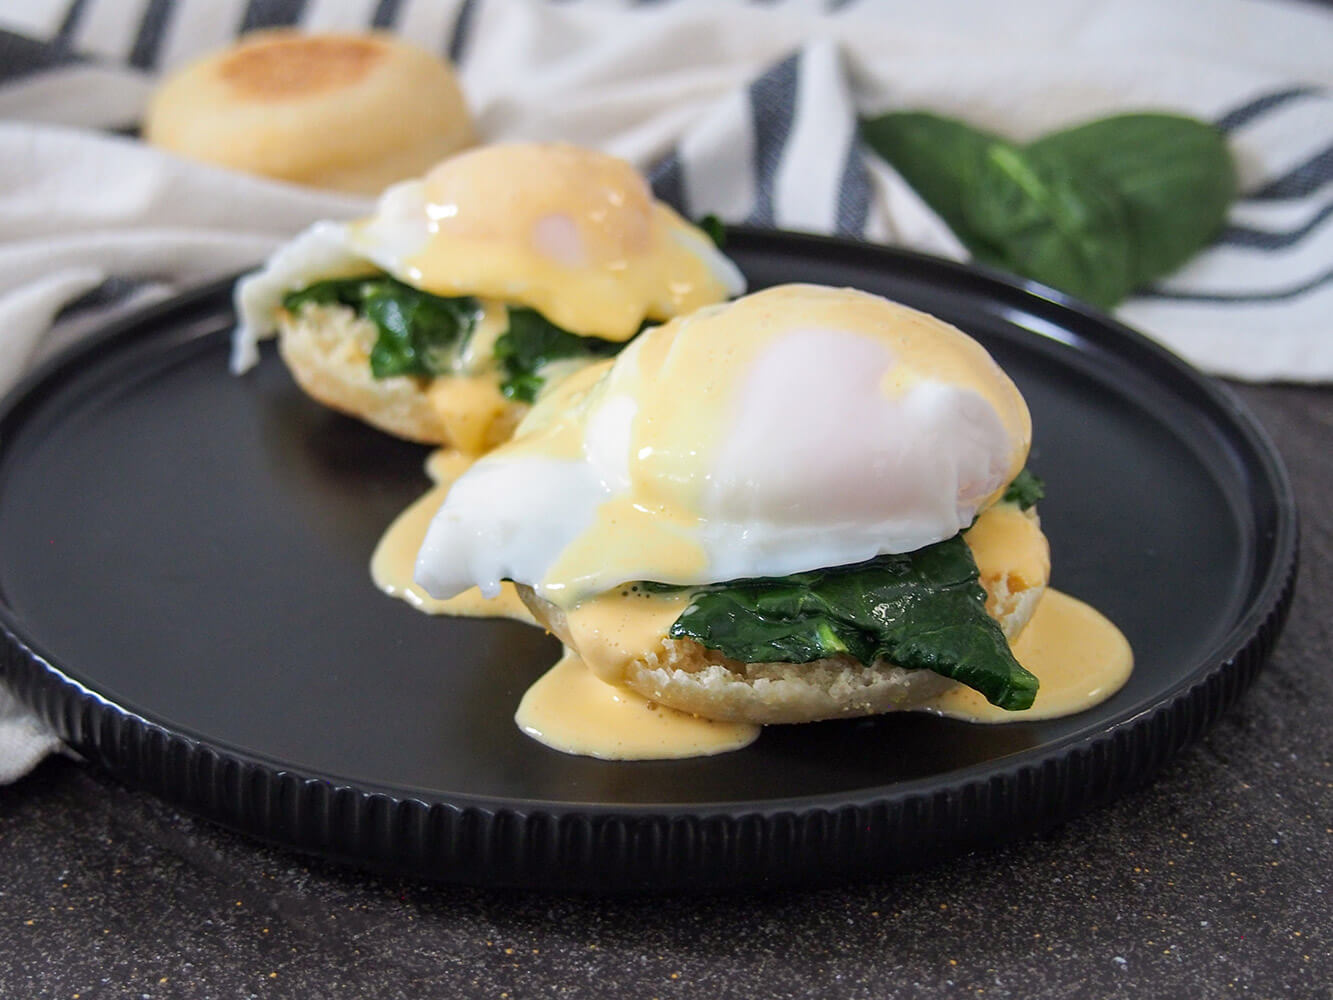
(531, 342)
(330, 292)
(421, 334)
(922, 610)
(715, 228)
(1025, 490)
(418, 333)
(1096, 210)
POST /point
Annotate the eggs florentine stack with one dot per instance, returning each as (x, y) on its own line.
(807, 503)
(443, 315)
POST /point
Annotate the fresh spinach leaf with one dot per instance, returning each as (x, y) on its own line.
(531, 342)
(1025, 490)
(941, 158)
(1095, 210)
(1030, 214)
(1173, 173)
(922, 610)
(1041, 219)
(418, 333)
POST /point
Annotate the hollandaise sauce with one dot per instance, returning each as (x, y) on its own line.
(570, 232)
(392, 563)
(572, 710)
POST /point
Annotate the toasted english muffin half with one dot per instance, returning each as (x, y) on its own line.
(353, 113)
(327, 349)
(684, 675)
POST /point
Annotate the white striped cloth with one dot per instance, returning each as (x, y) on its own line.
(747, 111)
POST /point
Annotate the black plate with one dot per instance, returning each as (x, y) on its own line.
(185, 596)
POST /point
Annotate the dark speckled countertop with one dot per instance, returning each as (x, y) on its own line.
(1214, 881)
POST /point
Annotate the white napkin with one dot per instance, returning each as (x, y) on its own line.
(744, 111)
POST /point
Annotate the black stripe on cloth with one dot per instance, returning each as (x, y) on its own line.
(386, 14)
(1260, 106)
(65, 33)
(20, 56)
(1306, 179)
(271, 14)
(667, 177)
(462, 30)
(109, 293)
(1266, 239)
(853, 192)
(772, 110)
(152, 28)
(1280, 295)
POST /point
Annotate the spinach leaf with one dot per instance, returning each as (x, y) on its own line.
(1095, 210)
(330, 292)
(1174, 174)
(922, 610)
(1025, 490)
(715, 228)
(1039, 218)
(1026, 213)
(533, 341)
(419, 333)
(941, 158)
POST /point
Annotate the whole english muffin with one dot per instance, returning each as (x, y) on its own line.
(350, 112)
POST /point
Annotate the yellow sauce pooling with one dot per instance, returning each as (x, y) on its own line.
(1079, 657)
(571, 710)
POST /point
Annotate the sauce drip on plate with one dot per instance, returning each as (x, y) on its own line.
(1077, 653)
(570, 709)
(395, 555)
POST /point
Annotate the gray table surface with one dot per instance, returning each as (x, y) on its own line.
(1215, 880)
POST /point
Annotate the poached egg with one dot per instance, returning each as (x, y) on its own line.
(797, 428)
(570, 232)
